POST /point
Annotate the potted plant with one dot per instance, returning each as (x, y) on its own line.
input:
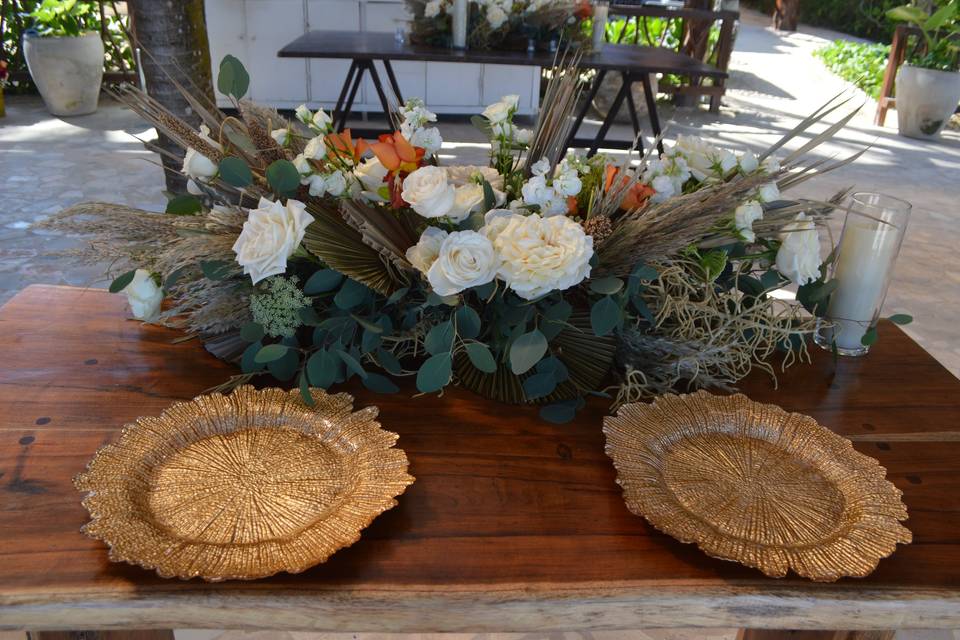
(65, 55)
(928, 84)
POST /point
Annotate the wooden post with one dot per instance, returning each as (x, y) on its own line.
(786, 15)
(898, 50)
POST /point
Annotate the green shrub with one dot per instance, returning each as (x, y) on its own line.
(861, 63)
(861, 18)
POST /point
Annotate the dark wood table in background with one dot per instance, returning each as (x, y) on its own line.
(513, 524)
(633, 63)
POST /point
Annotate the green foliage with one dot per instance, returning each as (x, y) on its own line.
(940, 28)
(122, 281)
(235, 171)
(283, 177)
(861, 18)
(861, 63)
(233, 79)
(184, 205)
(526, 351)
(61, 18)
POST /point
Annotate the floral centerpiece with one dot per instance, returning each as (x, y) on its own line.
(510, 24)
(304, 254)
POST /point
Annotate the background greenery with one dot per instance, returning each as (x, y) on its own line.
(861, 63)
(862, 18)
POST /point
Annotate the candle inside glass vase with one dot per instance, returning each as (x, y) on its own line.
(869, 245)
(459, 18)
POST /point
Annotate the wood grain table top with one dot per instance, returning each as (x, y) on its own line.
(357, 45)
(513, 524)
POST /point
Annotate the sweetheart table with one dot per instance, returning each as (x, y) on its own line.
(513, 524)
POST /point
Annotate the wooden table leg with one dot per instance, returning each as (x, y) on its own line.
(151, 634)
(780, 634)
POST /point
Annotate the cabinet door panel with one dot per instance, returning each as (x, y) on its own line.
(500, 80)
(225, 30)
(270, 25)
(451, 84)
(326, 75)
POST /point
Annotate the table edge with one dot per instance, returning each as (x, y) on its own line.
(413, 609)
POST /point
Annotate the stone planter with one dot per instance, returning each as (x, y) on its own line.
(67, 71)
(926, 98)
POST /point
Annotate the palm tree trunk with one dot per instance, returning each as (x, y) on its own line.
(172, 36)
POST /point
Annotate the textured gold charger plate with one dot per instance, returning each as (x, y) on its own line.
(755, 484)
(242, 486)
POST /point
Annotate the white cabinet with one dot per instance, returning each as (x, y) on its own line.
(254, 30)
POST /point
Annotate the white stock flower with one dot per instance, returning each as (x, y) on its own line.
(322, 120)
(428, 138)
(317, 184)
(281, 136)
(665, 188)
(769, 192)
(541, 167)
(568, 183)
(537, 191)
(428, 192)
(555, 206)
(423, 254)
(316, 148)
(144, 296)
(502, 110)
(304, 114)
(744, 216)
(496, 17)
(749, 162)
(540, 255)
(336, 183)
(198, 166)
(270, 235)
(432, 9)
(523, 136)
(799, 255)
(467, 259)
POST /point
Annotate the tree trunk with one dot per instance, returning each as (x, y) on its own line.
(173, 38)
(786, 15)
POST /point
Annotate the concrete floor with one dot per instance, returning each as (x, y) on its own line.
(47, 163)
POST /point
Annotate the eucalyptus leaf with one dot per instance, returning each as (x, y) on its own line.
(235, 171)
(526, 351)
(122, 281)
(901, 318)
(284, 367)
(561, 412)
(489, 197)
(440, 338)
(468, 322)
(251, 332)
(322, 281)
(352, 364)
(184, 205)
(606, 286)
(305, 394)
(322, 368)
(351, 294)
(233, 79)
(869, 337)
(270, 353)
(248, 363)
(389, 362)
(434, 373)
(605, 316)
(283, 177)
(539, 385)
(481, 357)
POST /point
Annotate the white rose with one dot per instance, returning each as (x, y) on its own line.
(427, 138)
(336, 183)
(428, 192)
(568, 184)
(281, 136)
(540, 255)
(537, 191)
(198, 166)
(321, 120)
(465, 174)
(744, 217)
(193, 189)
(467, 259)
(771, 164)
(799, 255)
(496, 17)
(703, 159)
(144, 296)
(749, 162)
(523, 136)
(270, 235)
(315, 149)
(303, 168)
(432, 9)
(769, 192)
(303, 114)
(423, 254)
(727, 161)
(467, 199)
(495, 221)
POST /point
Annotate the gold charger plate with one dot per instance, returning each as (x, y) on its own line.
(755, 484)
(242, 486)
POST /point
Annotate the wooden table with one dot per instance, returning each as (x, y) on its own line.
(633, 63)
(513, 524)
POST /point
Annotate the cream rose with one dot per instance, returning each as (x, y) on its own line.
(466, 259)
(428, 192)
(423, 254)
(270, 235)
(495, 221)
(198, 166)
(799, 255)
(500, 111)
(467, 199)
(540, 255)
(144, 296)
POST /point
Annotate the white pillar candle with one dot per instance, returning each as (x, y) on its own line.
(865, 261)
(601, 11)
(460, 10)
